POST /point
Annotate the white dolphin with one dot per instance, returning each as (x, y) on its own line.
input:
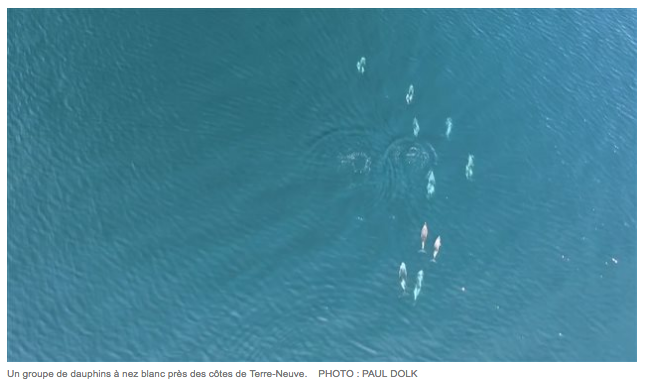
(436, 248)
(469, 168)
(361, 64)
(416, 290)
(416, 127)
(409, 96)
(403, 277)
(448, 124)
(423, 236)
(431, 184)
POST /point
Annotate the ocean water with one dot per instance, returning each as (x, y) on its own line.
(226, 185)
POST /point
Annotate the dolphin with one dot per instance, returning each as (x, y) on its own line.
(448, 124)
(423, 236)
(403, 277)
(436, 248)
(416, 290)
(361, 64)
(431, 184)
(469, 168)
(409, 96)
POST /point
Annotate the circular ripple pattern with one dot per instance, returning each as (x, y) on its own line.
(385, 169)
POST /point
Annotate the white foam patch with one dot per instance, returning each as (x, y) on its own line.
(416, 127)
(416, 156)
(361, 65)
(413, 154)
(409, 96)
(359, 162)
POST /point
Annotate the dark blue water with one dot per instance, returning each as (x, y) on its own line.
(226, 186)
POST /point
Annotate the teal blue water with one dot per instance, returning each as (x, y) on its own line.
(224, 185)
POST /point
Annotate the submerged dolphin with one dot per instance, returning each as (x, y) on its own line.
(361, 64)
(469, 168)
(431, 184)
(403, 277)
(416, 290)
(448, 124)
(409, 96)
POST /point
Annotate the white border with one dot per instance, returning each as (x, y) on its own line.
(450, 372)
(323, 4)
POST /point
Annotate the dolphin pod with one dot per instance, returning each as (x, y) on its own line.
(402, 275)
(430, 187)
